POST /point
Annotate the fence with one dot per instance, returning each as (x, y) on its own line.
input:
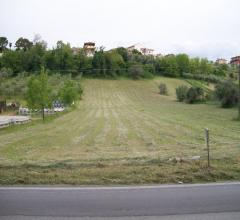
(6, 121)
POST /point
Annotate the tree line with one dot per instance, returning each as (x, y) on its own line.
(29, 56)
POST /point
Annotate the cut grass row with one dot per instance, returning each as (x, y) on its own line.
(123, 131)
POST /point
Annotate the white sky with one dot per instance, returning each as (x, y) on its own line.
(206, 28)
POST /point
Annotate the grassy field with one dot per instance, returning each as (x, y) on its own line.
(124, 132)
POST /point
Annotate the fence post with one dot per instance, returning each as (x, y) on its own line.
(207, 145)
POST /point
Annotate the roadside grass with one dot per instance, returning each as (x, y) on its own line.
(124, 132)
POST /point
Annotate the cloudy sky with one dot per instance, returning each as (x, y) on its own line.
(206, 28)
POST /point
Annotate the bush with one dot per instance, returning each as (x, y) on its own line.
(181, 92)
(5, 72)
(163, 89)
(136, 72)
(227, 93)
(194, 94)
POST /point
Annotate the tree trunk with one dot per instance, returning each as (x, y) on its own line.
(43, 113)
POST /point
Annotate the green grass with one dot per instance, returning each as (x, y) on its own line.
(123, 132)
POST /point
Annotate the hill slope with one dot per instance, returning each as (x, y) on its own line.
(123, 131)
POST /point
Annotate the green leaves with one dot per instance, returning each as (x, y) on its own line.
(39, 92)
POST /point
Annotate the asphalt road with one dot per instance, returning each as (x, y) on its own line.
(201, 201)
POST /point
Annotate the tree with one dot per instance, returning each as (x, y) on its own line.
(194, 94)
(136, 71)
(39, 92)
(123, 52)
(182, 63)
(3, 44)
(23, 44)
(99, 63)
(227, 93)
(64, 59)
(163, 89)
(83, 63)
(69, 93)
(181, 92)
(114, 63)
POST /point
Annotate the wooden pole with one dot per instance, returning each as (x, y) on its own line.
(207, 145)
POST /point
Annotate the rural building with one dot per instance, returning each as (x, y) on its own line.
(142, 50)
(235, 60)
(221, 61)
(89, 48)
(75, 50)
(170, 55)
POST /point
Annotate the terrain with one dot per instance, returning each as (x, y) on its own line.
(124, 132)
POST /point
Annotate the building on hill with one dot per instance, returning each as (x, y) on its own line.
(142, 50)
(235, 60)
(170, 55)
(75, 50)
(89, 48)
(221, 61)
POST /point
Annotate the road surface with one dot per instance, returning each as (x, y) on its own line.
(168, 202)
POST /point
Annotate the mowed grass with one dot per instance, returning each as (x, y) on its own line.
(124, 132)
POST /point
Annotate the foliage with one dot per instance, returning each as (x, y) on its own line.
(181, 92)
(70, 92)
(3, 44)
(23, 44)
(39, 92)
(194, 94)
(183, 64)
(227, 93)
(5, 72)
(163, 89)
(30, 56)
(136, 71)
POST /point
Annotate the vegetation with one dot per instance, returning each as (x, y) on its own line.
(181, 92)
(29, 56)
(123, 132)
(38, 92)
(194, 94)
(163, 89)
(189, 95)
(227, 93)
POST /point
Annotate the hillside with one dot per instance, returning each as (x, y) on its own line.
(123, 131)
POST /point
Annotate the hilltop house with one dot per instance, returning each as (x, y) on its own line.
(142, 50)
(221, 61)
(235, 60)
(89, 48)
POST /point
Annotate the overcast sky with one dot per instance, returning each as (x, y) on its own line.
(205, 28)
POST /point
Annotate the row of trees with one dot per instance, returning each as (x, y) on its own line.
(30, 56)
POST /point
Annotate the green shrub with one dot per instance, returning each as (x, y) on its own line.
(5, 72)
(194, 94)
(136, 72)
(163, 89)
(181, 92)
(227, 93)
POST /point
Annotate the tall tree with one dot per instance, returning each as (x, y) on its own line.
(23, 44)
(39, 92)
(3, 44)
(182, 63)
